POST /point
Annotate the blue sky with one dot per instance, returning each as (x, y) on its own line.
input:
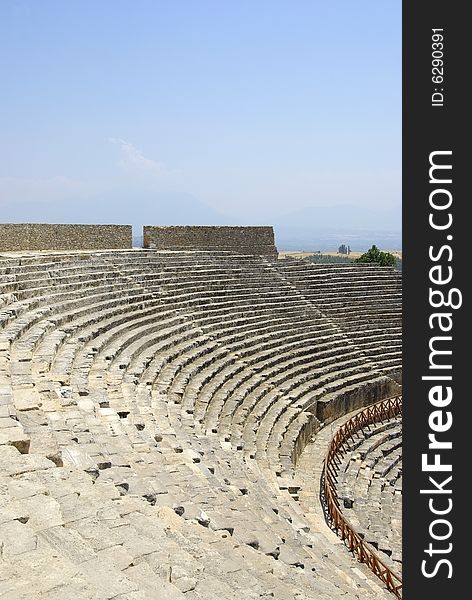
(250, 109)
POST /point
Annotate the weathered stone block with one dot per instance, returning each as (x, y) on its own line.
(241, 240)
(45, 236)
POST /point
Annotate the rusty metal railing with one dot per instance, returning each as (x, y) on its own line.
(381, 411)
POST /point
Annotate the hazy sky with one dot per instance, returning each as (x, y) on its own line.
(252, 107)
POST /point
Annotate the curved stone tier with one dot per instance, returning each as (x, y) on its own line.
(365, 482)
(363, 299)
(370, 488)
(153, 405)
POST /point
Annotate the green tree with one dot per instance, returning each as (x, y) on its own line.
(374, 255)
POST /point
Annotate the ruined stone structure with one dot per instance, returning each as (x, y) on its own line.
(247, 240)
(365, 307)
(45, 236)
(370, 488)
(162, 415)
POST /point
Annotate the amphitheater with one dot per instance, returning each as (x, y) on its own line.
(169, 417)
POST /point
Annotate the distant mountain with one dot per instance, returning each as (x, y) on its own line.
(120, 207)
(318, 239)
(342, 216)
(311, 228)
(327, 227)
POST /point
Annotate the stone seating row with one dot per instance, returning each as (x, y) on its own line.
(66, 535)
(191, 399)
(362, 299)
(367, 488)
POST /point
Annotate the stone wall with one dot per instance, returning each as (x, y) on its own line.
(243, 240)
(42, 236)
(329, 409)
